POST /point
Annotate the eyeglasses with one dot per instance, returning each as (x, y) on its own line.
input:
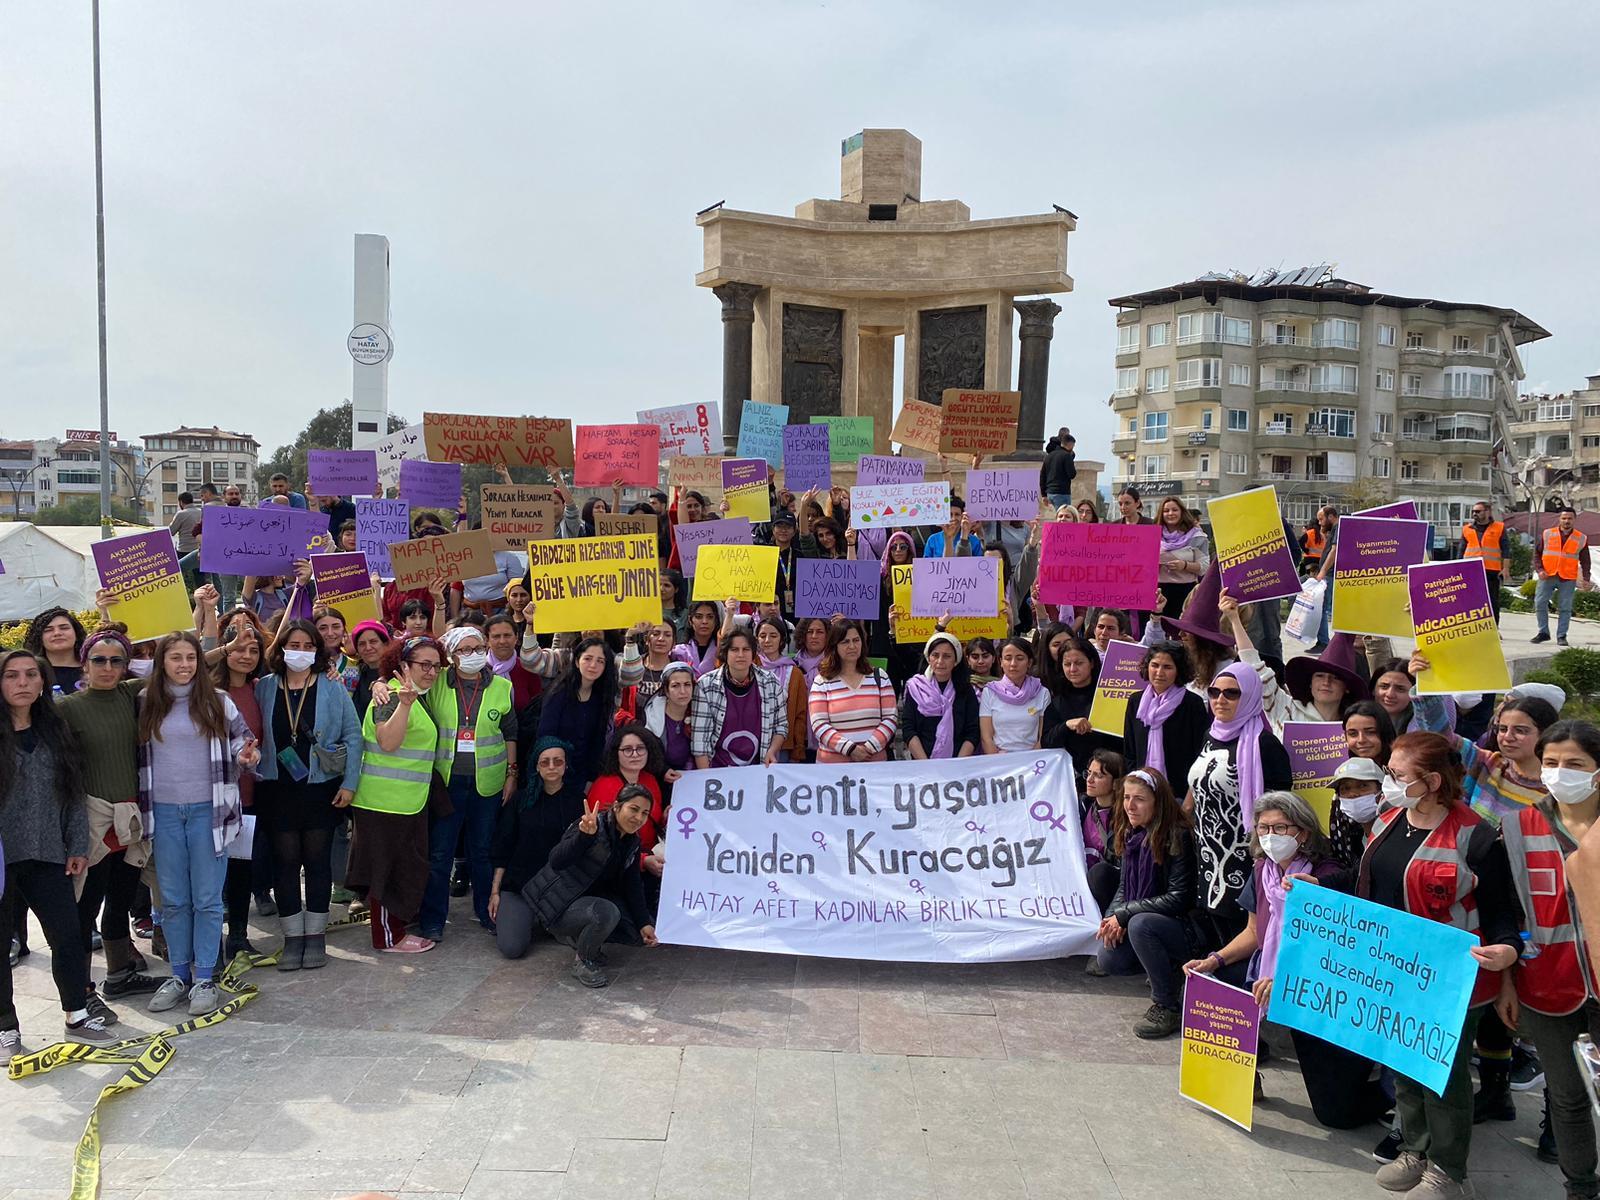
(1217, 693)
(630, 750)
(426, 666)
(100, 660)
(1286, 827)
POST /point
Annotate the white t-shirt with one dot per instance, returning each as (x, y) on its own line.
(1016, 726)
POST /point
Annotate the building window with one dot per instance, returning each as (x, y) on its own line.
(192, 470)
(1591, 441)
(1157, 379)
(1133, 426)
(1413, 385)
(241, 471)
(1385, 381)
(1155, 466)
(1337, 332)
(1453, 472)
(1335, 422)
(1380, 468)
(74, 477)
(1199, 327)
(169, 511)
(169, 489)
(1158, 334)
(1127, 339)
(1155, 426)
(1239, 374)
(1199, 372)
(1205, 464)
(1414, 341)
(1239, 420)
(1476, 383)
(1385, 335)
(1589, 410)
(1336, 377)
(1281, 422)
(1236, 331)
(1491, 344)
(1460, 344)
(1485, 473)
(1279, 334)
(1207, 417)
(1127, 381)
(1383, 424)
(219, 471)
(1410, 468)
(1236, 464)
(1556, 408)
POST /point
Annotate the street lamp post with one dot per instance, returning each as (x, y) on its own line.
(100, 265)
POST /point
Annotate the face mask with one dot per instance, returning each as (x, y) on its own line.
(1395, 793)
(140, 667)
(1567, 785)
(299, 660)
(472, 662)
(1360, 809)
(1279, 847)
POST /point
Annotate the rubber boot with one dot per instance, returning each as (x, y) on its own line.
(294, 942)
(316, 951)
(1493, 1101)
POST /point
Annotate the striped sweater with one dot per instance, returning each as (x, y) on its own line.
(1493, 786)
(843, 716)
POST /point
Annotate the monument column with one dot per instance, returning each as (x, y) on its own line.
(1033, 372)
(738, 329)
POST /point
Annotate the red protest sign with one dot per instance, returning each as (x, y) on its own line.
(607, 453)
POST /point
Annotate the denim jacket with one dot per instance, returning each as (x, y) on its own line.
(336, 726)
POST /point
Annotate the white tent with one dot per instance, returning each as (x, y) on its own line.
(41, 571)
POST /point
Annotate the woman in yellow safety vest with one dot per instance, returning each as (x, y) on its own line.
(389, 852)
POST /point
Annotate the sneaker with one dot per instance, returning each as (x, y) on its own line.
(460, 882)
(1561, 641)
(341, 895)
(1436, 1185)
(204, 998)
(99, 1008)
(589, 973)
(1094, 970)
(1527, 1072)
(129, 983)
(410, 944)
(1404, 1173)
(265, 907)
(169, 995)
(1158, 1022)
(1493, 1102)
(10, 1043)
(1388, 1150)
(1539, 637)
(143, 928)
(91, 1031)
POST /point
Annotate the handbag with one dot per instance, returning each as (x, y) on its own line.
(330, 762)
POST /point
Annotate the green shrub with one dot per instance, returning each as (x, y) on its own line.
(1528, 587)
(1581, 668)
(1586, 604)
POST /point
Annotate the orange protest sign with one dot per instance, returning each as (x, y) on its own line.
(623, 524)
(516, 514)
(918, 425)
(979, 422)
(452, 557)
(515, 441)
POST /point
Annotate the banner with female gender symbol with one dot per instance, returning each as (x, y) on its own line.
(956, 860)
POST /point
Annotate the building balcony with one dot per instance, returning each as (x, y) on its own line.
(1299, 349)
(1273, 443)
(1282, 308)
(1125, 401)
(1341, 350)
(1444, 400)
(1448, 442)
(1127, 356)
(1421, 356)
(1192, 392)
(1124, 443)
(1471, 358)
(1304, 477)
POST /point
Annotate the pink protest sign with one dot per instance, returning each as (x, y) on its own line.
(342, 472)
(607, 453)
(1111, 566)
(886, 468)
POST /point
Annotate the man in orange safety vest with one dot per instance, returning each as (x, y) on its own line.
(1563, 558)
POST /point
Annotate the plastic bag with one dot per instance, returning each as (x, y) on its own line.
(1305, 617)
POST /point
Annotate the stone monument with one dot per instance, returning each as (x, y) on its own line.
(812, 304)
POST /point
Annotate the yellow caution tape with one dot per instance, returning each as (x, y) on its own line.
(144, 1056)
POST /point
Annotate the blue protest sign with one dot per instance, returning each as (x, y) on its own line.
(1377, 981)
(761, 431)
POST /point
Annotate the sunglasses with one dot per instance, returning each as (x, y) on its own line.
(1217, 693)
(100, 660)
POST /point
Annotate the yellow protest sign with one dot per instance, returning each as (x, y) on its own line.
(142, 574)
(736, 572)
(1119, 682)
(594, 583)
(1455, 629)
(917, 630)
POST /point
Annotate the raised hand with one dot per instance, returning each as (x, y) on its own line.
(589, 823)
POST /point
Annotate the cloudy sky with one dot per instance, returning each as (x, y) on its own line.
(537, 169)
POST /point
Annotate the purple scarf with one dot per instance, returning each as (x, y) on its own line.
(1096, 833)
(1177, 541)
(1269, 908)
(1153, 713)
(1011, 693)
(502, 669)
(1246, 728)
(701, 661)
(808, 664)
(1138, 867)
(935, 701)
(899, 535)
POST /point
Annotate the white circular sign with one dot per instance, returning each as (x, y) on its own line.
(369, 345)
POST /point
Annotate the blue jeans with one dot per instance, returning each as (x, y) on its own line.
(1563, 590)
(1057, 499)
(191, 874)
(1157, 944)
(478, 813)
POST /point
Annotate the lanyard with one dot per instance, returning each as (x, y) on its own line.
(469, 710)
(296, 709)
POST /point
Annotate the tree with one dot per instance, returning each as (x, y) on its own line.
(1368, 492)
(84, 510)
(328, 430)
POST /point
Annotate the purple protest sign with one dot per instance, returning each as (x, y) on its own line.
(259, 541)
(962, 587)
(1369, 573)
(887, 468)
(1217, 1056)
(1002, 495)
(141, 573)
(733, 531)
(1250, 546)
(824, 586)
(1404, 509)
(429, 484)
(342, 472)
(805, 458)
(1119, 682)
(1455, 629)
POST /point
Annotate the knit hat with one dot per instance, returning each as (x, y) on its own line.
(1201, 616)
(117, 636)
(948, 639)
(1338, 660)
(377, 627)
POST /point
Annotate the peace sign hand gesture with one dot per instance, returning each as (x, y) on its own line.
(588, 823)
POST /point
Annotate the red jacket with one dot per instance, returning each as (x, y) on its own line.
(603, 792)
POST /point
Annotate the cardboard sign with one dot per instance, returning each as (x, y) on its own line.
(1003, 495)
(920, 425)
(979, 422)
(394, 449)
(733, 531)
(899, 504)
(379, 524)
(1217, 1058)
(736, 572)
(744, 487)
(686, 428)
(697, 473)
(342, 472)
(961, 587)
(1453, 623)
(915, 631)
(1369, 574)
(1406, 510)
(1315, 748)
(848, 437)
(452, 557)
(344, 582)
(824, 586)
(260, 541)
(875, 469)
(515, 441)
(626, 524)
(1119, 683)
(806, 459)
(1251, 547)
(428, 484)
(608, 453)
(516, 514)
(761, 431)
(1100, 564)
(141, 572)
(594, 583)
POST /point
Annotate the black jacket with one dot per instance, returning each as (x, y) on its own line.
(1075, 703)
(1059, 470)
(1181, 738)
(1174, 891)
(527, 831)
(604, 863)
(963, 716)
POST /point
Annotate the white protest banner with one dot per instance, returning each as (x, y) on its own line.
(686, 428)
(884, 505)
(395, 448)
(953, 860)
